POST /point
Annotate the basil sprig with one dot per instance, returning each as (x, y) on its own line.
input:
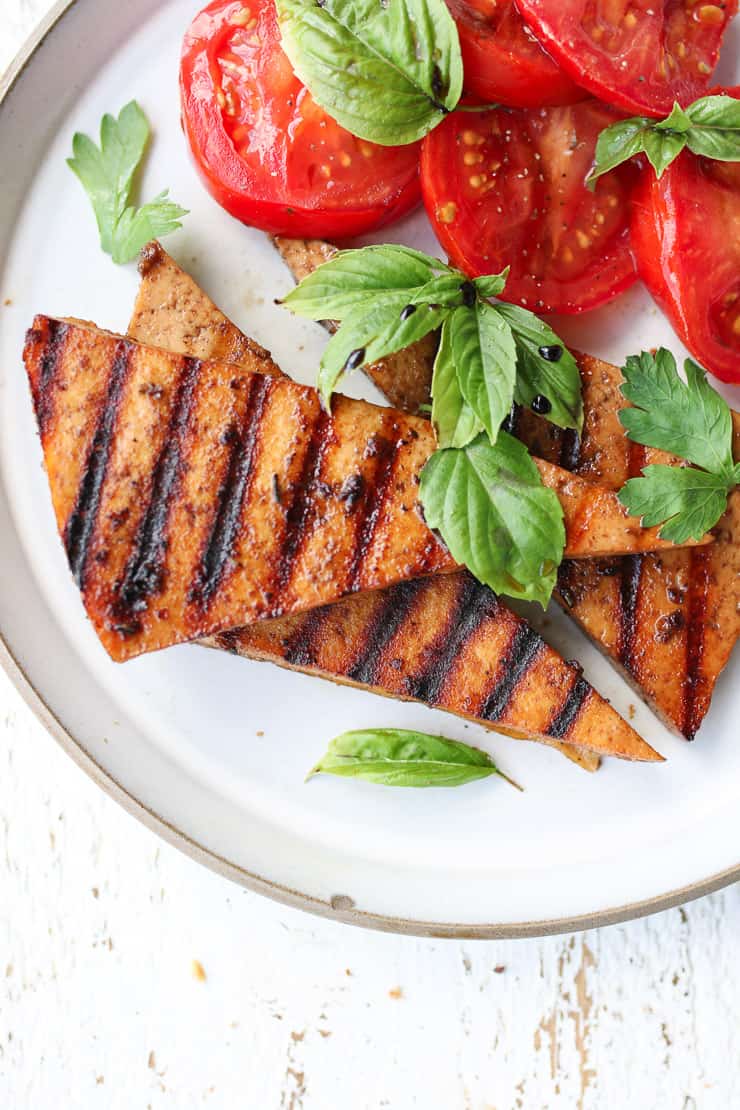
(386, 297)
(480, 490)
(400, 757)
(388, 72)
(709, 127)
(688, 419)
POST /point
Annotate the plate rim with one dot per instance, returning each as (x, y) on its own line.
(277, 892)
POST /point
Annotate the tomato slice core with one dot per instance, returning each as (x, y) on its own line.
(639, 55)
(502, 60)
(505, 187)
(268, 153)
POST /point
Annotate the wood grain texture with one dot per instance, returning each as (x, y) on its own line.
(101, 1003)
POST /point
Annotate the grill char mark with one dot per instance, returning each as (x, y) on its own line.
(145, 572)
(232, 494)
(564, 720)
(475, 604)
(693, 709)
(629, 600)
(375, 494)
(524, 648)
(300, 650)
(387, 621)
(80, 527)
(298, 515)
(49, 364)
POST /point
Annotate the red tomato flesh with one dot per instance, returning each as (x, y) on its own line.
(505, 187)
(686, 239)
(639, 55)
(502, 60)
(265, 150)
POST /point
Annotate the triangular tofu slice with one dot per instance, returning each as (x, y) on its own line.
(669, 622)
(194, 498)
(494, 669)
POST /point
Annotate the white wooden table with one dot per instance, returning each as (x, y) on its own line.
(132, 978)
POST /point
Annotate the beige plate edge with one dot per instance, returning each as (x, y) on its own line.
(257, 883)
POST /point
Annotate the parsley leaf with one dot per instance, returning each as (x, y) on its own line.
(401, 757)
(688, 419)
(496, 516)
(107, 174)
(689, 501)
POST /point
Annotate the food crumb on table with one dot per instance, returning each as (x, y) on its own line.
(198, 971)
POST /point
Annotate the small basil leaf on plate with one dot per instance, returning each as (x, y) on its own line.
(687, 502)
(454, 421)
(482, 348)
(497, 518)
(401, 757)
(689, 419)
(387, 72)
(545, 367)
(354, 277)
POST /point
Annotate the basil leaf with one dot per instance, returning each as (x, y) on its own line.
(661, 147)
(618, 143)
(351, 277)
(368, 334)
(677, 121)
(689, 501)
(558, 379)
(689, 419)
(483, 351)
(715, 128)
(490, 285)
(454, 421)
(388, 72)
(401, 757)
(495, 515)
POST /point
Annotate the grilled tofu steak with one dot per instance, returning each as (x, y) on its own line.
(445, 641)
(192, 498)
(668, 621)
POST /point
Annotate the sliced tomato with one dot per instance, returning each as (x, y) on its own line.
(505, 187)
(640, 55)
(503, 62)
(265, 149)
(686, 239)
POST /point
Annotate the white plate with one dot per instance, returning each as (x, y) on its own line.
(211, 751)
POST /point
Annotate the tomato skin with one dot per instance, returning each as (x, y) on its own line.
(505, 187)
(688, 256)
(503, 63)
(640, 57)
(273, 186)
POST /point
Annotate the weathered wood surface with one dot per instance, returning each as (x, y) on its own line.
(103, 931)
